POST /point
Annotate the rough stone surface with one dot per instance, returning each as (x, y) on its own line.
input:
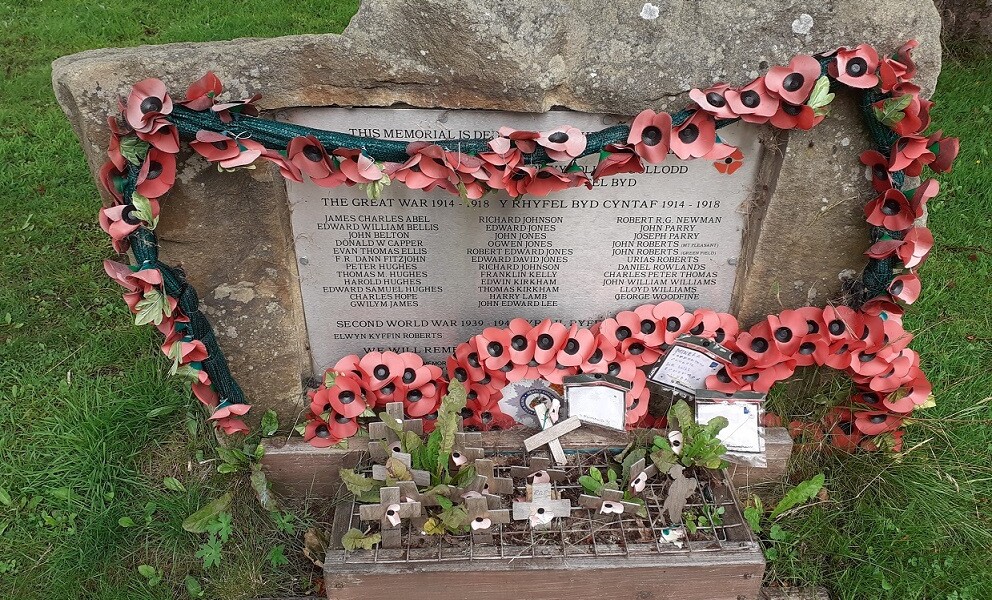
(526, 55)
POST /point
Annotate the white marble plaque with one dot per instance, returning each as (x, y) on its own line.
(422, 272)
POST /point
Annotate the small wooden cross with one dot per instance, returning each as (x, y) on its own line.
(499, 486)
(542, 508)
(381, 472)
(549, 436)
(410, 493)
(484, 512)
(462, 453)
(383, 440)
(537, 471)
(639, 475)
(679, 492)
(390, 512)
(609, 502)
(474, 487)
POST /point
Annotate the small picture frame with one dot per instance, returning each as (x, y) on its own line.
(743, 410)
(597, 399)
(682, 370)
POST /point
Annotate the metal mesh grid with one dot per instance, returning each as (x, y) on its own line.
(584, 534)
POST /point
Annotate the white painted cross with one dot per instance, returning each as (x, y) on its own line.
(542, 508)
(484, 512)
(499, 486)
(390, 512)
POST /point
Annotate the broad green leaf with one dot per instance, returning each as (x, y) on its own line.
(444, 502)
(455, 519)
(682, 415)
(664, 459)
(752, 514)
(62, 493)
(301, 429)
(198, 521)
(355, 539)
(596, 474)
(152, 308)
(329, 378)
(397, 471)
(171, 483)
(270, 423)
(193, 587)
(433, 526)
(591, 485)
(134, 149)
(147, 571)
(4, 497)
(125, 522)
(143, 210)
(261, 487)
(232, 455)
(891, 111)
(630, 459)
(821, 97)
(411, 441)
(160, 411)
(277, 558)
(226, 468)
(356, 484)
(799, 494)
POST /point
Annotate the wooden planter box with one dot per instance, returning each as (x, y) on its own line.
(585, 556)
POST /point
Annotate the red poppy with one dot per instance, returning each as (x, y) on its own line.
(648, 329)
(380, 368)
(650, 135)
(711, 324)
(548, 338)
(113, 179)
(490, 420)
(695, 137)
(912, 249)
(726, 380)
(794, 83)
(904, 401)
(758, 344)
(163, 136)
(918, 197)
(673, 317)
(493, 347)
(753, 103)
(562, 143)
(119, 222)
(579, 345)
(201, 93)
(577, 177)
(469, 362)
(844, 436)
(899, 68)
(945, 150)
(146, 104)
(345, 396)
(426, 166)
(855, 67)
(205, 392)
(225, 419)
(517, 180)
(891, 210)
(420, 401)
(286, 168)
(639, 352)
(309, 156)
(357, 167)
(620, 327)
(811, 351)
(900, 372)
(916, 116)
(531, 370)
(714, 101)
(910, 154)
(906, 287)
(637, 403)
(787, 331)
(157, 174)
(875, 422)
(547, 180)
(878, 170)
(604, 352)
(247, 107)
(616, 159)
(525, 141)
(795, 116)
(214, 146)
(496, 165)
(117, 131)
(730, 164)
(841, 323)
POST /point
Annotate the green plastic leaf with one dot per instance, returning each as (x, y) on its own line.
(125, 522)
(799, 494)
(891, 111)
(374, 189)
(173, 484)
(301, 429)
(152, 308)
(143, 210)
(193, 587)
(200, 520)
(147, 571)
(356, 484)
(355, 539)
(134, 149)
(329, 378)
(270, 423)
(821, 97)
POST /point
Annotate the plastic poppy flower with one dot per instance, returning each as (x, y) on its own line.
(415, 372)
(730, 164)
(905, 400)
(919, 197)
(637, 404)
(309, 156)
(878, 170)
(201, 93)
(493, 347)
(788, 329)
(604, 352)
(112, 180)
(711, 324)
(214, 146)
(795, 116)
(725, 380)
(945, 150)
(496, 165)
(120, 221)
(884, 306)
(318, 434)
(811, 351)
(490, 420)
(906, 287)
(875, 422)
(793, 83)
(620, 327)
(226, 110)
(157, 174)
(547, 180)
(230, 424)
(286, 168)
(855, 67)
(188, 351)
(231, 410)
(650, 135)
(753, 103)
(868, 363)
(525, 141)
(639, 352)
(758, 344)
(579, 345)
(548, 338)
(357, 167)
(910, 154)
(673, 318)
(916, 116)
(146, 104)
(843, 435)
(899, 68)
(695, 137)
(891, 210)
(902, 370)
(204, 392)
(577, 177)
(616, 159)
(562, 143)
(714, 101)
(380, 368)
(517, 180)
(345, 397)
(648, 329)
(420, 401)
(841, 323)
(427, 165)
(915, 247)
(466, 365)
(163, 136)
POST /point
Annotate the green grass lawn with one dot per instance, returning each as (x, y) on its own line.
(90, 427)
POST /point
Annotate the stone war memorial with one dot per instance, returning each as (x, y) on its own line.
(515, 278)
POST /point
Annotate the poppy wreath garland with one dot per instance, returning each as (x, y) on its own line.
(866, 339)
